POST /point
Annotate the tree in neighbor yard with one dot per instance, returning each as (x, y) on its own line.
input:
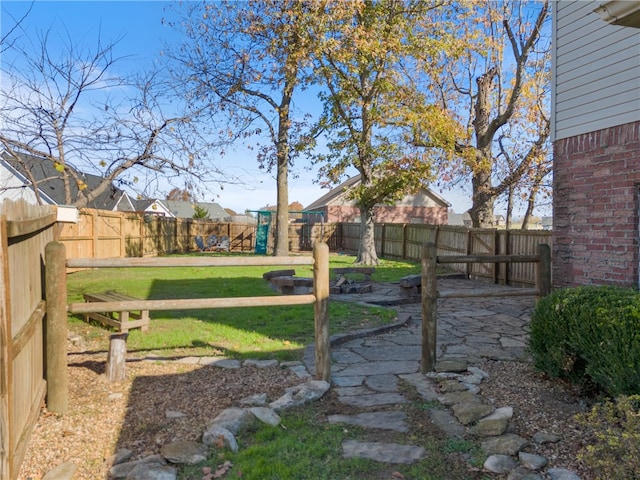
(245, 60)
(69, 108)
(363, 62)
(500, 88)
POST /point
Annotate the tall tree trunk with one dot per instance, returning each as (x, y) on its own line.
(367, 246)
(509, 208)
(481, 211)
(281, 248)
(531, 202)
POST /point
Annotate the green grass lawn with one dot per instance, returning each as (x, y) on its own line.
(258, 332)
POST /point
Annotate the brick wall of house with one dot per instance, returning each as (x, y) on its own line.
(595, 207)
(390, 214)
(429, 215)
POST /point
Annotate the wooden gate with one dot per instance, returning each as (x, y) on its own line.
(24, 231)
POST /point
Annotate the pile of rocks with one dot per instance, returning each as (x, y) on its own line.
(507, 452)
(220, 433)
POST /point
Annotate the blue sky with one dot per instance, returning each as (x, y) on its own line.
(143, 37)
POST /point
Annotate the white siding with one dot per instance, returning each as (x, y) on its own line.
(13, 188)
(596, 71)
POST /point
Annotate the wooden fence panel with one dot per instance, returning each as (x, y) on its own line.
(524, 242)
(25, 230)
(392, 240)
(482, 242)
(350, 236)
(127, 234)
(415, 236)
(78, 237)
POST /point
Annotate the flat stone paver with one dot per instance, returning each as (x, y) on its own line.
(372, 399)
(383, 452)
(391, 420)
(369, 367)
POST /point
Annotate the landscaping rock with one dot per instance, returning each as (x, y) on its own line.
(185, 452)
(261, 363)
(470, 412)
(488, 427)
(561, 474)
(532, 461)
(64, 471)
(266, 415)
(153, 472)
(521, 473)
(220, 437)
(451, 366)
(506, 444)
(449, 399)
(122, 470)
(544, 437)
(234, 419)
(301, 394)
(499, 464)
(256, 400)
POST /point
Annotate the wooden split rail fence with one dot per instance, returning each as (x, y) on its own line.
(430, 294)
(57, 308)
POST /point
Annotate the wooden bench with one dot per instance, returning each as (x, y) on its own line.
(124, 320)
(410, 285)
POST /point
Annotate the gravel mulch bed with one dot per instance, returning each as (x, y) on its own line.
(133, 414)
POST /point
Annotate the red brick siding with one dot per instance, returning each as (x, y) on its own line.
(595, 207)
(428, 215)
(389, 214)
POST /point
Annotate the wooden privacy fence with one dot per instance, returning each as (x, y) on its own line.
(56, 275)
(405, 241)
(105, 234)
(430, 294)
(24, 231)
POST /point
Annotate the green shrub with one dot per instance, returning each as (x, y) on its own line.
(615, 451)
(590, 336)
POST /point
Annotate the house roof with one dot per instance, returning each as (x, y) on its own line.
(348, 184)
(50, 182)
(459, 218)
(184, 209)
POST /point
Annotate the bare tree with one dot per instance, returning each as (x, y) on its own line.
(499, 88)
(8, 38)
(71, 110)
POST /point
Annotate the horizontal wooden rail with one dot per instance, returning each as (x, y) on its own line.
(430, 292)
(56, 282)
(190, 303)
(488, 259)
(187, 262)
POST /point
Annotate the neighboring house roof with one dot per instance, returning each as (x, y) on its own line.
(460, 219)
(50, 184)
(338, 195)
(15, 186)
(184, 209)
(124, 204)
(152, 205)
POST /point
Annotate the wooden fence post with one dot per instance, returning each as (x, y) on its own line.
(56, 327)
(429, 292)
(321, 311)
(543, 270)
(117, 358)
